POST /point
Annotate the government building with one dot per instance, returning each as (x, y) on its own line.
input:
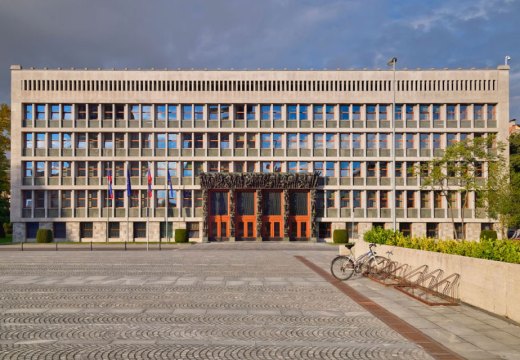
(132, 155)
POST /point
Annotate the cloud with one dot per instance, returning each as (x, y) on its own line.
(258, 34)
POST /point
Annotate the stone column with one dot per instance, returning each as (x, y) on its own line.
(204, 215)
(286, 215)
(314, 229)
(259, 208)
(232, 214)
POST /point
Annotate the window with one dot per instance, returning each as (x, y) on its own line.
(224, 141)
(81, 198)
(398, 112)
(410, 199)
(265, 141)
(40, 112)
(39, 199)
(172, 168)
(218, 201)
(371, 141)
(318, 141)
(93, 141)
(424, 112)
(399, 204)
(160, 198)
(329, 112)
(432, 230)
(317, 112)
(409, 112)
(113, 230)
(356, 141)
(160, 111)
(383, 112)
(187, 141)
(425, 141)
(356, 197)
(92, 199)
(344, 112)
(371, 199)
(398, 141)
(491, 112)
(160, 141)
(28, 169)
(187, 198)
(40, 141)
(425, 200)
(371, 112)
(54, 140)
(410, 141)
(304, 167)
(193, 229)
(172, 112)
(437, 199)
(239, 140)
(213, 140)
(277, 112)
(356, 112)
(292, 141)
(303, 112)
(399, 169)
(450, 112)
(344, 169)
(329, 169)
(344, 141)
(40, 169)
(463, 111)
(55, 112)
(187, 169)
(292, 112)
(405, 229)
(265, 166)
(172, 141)
(28, 141)
(277, 166)
(330, 199)
(371, 169)
(291, 167)
(356, 169)
(31, 229)
(344, 196)
(451, 139)
(224, 112)
(436, 141)
(139, 229)
(187, 112)
(59, 230)
(436, 109)
(199, 112)
(54, 168)
(298, 203)
(28, 112)
(108, 112)
(478, 112)
(108, 141)
(383, 141)
(86, 230)
(383, 199)
(251, 141)
(93, 111)
(265, 112)
(304, 141)
(146, 140)
(277, 141)
(383, 169)
(251, 112)
(318, 167)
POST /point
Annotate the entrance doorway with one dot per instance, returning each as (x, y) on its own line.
(299, 220)
(218, 225)
(272, 219)
(245, 215)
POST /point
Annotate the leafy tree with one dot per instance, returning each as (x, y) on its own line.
(502, 195)
(5, 146)
(457, 171)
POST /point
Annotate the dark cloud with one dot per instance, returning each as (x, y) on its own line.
(259, 34)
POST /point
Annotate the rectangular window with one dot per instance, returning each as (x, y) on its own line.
(356, 198)
(371, 112)
(491, 112)
(371, 199)
(199, 112)
(303, 112)
(304, 141)
(344, 112)
(317, 112)
(40, 141)
(356, 141)
(292, 167)
(356, 112)
(187, 141)
(108, 141)
(425, 141)
(344, 196)
(251, 141)
(59, 230)
(424, 112)
(224, 112)
(330, 141)
(292, 112)
(28, 168)
(277, 141)
(108, 112)
(425, 200)
(409, 112)
(54, 167)
(450, 112)
(218, 201)
(463, 111)
(251, 112)
(40, 112)
(436, 141)
(432, 230)
(113, 230)
(383, 169)
(318, 141)
(55, 112)
(344, 141)
(187, 112)
(371, 169)
(239, 140)
(139, 229)
(329, 112)
(28, 112)
(93, 112)
(92, 199)
(212, 112)
(66, 199)
(410, 199)
(187, 169)
(330, 199)
(292, 141)
(398, 141)
(172, 112)
(40, 169)
(383, 199)
(436, 109)
(329, 169)
(371, 141)
(277, 112)
(383, 112)
(172, 141)
(399, 203)
(398, 112)
(410, 143)
(160, 111)
(383, 141)
(318, 167)
(265, 141)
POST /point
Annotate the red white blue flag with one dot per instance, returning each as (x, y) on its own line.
(109, 179)
(149, 182)
(170, 184)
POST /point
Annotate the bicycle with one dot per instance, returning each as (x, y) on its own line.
(343, 267)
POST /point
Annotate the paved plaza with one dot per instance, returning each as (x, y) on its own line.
(220, 301)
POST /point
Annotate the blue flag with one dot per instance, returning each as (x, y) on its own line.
(128, 183)
(170, 184)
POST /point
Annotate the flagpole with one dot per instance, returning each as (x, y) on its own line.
(128, 195)
(108, 212)
(148, 210)
(166, 186)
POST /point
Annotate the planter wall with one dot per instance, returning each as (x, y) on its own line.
(490, 285)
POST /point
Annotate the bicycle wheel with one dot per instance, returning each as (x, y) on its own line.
(342, 268)
(376, 265)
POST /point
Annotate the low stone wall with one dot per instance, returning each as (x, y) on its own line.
(490, 285)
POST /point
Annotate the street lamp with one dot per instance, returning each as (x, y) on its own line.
(392, 62)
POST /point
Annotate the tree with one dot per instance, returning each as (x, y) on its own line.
(5, 147)
(460, 170)
(501, 197)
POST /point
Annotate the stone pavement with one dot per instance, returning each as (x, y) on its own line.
(218, 301)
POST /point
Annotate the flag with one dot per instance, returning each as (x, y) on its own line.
(170, 184)
(128, 183)
(110, 191)
(149, 182)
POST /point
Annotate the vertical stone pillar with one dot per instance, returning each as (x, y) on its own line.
(286, 229)
(314, 229)
(232, 214)
(204, 215)
(259, 208)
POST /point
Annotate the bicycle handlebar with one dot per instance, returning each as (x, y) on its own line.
(371, 245)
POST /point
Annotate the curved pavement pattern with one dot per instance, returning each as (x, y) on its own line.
(251, 301)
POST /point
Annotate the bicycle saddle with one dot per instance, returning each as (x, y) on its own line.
(349, 245)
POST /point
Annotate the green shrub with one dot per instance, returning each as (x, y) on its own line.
(488, 234)
(487, 248)
(181, 235)
(8, 228)
(340, 236)
(44, 236)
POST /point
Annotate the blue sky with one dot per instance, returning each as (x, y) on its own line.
(260, 34)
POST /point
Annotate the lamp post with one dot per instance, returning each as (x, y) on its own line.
(392, 62)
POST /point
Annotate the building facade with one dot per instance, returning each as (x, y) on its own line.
(238, 155)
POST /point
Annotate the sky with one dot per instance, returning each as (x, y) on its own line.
(265, 34)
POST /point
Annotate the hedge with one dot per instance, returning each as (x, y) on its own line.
(488, 234)
(44, 236)
(181, 235)
(340, 236)
(486, 248)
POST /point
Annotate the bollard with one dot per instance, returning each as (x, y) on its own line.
(22, 245)
(90, 245)
(56, 246)
(160, 244)
(125, 245)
